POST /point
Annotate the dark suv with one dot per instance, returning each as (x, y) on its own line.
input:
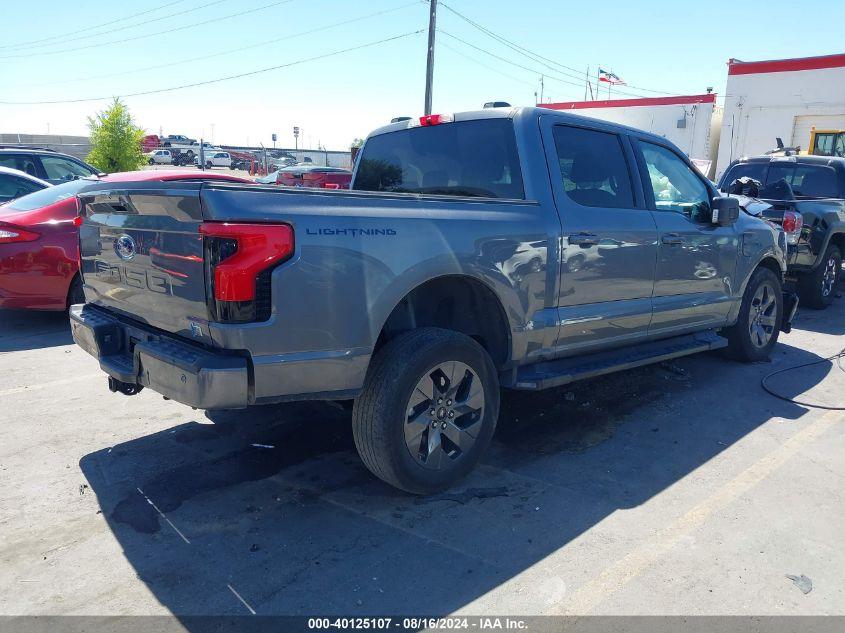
(807, 194)
(46, 164)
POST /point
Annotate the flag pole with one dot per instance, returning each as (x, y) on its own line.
(586, 82)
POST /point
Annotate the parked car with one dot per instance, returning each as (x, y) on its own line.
(309, 176)
(150, 142)
(177, 139)
(402, 295)
(15, 183)
(807, 194)
(39, 242)
(160, 157)
(216, 159)
(46, 164)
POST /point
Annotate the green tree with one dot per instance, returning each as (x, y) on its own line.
(115, 140)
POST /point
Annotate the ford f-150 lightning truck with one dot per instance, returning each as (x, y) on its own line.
(521, 248)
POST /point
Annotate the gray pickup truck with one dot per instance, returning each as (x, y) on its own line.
(521, 248)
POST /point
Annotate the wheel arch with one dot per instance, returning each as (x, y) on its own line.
(454, 301)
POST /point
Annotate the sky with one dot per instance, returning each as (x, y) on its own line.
(340, 68)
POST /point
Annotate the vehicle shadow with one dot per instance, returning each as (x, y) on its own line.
(270, 508)
(827, 321)
(32, 329)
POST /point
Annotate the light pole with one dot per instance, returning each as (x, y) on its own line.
(429, 65)
(296, 137)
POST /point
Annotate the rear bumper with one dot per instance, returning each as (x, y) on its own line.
(140, 355)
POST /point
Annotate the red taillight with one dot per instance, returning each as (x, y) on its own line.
(77, 221)
(258, 246)
(9, 233)
(434, 119)
(331, 185)
(793, 222)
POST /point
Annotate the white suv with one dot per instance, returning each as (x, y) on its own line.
(216, 159)
(160, 157)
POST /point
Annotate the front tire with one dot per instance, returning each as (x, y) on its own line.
(756, 331)
(427, 411)
(818, 288)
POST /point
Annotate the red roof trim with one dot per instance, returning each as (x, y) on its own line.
(737, 67)
(622, 103)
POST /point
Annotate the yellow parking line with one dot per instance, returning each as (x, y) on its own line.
(52, 383)
(620, 573)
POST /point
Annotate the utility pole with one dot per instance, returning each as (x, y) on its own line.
(429, 66)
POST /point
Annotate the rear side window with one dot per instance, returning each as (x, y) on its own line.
(755, 171)
(47, 196)
(593, 168)
(467, 158)
(20, 162)
(807, 181)
(14, 186)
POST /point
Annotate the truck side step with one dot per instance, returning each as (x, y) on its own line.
(565, 370)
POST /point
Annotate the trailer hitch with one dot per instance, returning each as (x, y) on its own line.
(126, 388)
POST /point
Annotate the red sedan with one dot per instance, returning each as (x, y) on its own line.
(39, 243)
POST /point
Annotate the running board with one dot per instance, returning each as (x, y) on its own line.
(559, 372)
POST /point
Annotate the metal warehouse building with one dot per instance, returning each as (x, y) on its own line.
(692, 122)
(780, 98)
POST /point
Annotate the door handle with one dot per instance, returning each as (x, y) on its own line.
(584, 240)
(672, 238)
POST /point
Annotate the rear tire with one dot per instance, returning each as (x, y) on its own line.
(756, 331)
(427, 411)
(76, 294)
(818, 288)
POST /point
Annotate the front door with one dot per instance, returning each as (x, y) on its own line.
(609, 239)
(696, 262)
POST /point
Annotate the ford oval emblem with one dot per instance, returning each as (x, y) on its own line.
(124, 246)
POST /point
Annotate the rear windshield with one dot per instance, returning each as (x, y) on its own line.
(755, 171)
(807, 181)
(48, 196)
(469, 158)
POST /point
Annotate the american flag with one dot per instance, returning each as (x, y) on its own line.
(610, 78)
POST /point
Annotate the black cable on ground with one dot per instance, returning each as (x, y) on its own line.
(837, 357)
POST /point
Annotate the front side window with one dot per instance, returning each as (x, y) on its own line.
(467, 158)
(593, 168)
(58, 168)
(675, 186)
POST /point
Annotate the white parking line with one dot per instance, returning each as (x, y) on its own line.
(51, 383)
(164, 516)
(620, 573)
(244, 602)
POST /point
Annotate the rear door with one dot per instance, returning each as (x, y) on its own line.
(696, 260)
(142, 253)
(608, 248)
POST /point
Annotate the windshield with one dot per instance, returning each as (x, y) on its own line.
(470, 158)
(48, 196)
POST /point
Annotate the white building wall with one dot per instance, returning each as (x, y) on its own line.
(762, 106)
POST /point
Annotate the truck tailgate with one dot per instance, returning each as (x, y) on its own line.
(142, 253)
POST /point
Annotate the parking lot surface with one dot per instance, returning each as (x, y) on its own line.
(680, 488)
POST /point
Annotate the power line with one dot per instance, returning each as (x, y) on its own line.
(581, 75)
(226, 52)
(141, 37)
(136, 24)
(546, 74)
(96, 26)
(480, 63)
(221, 79)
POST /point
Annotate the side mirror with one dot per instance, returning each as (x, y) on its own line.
(725, 211)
